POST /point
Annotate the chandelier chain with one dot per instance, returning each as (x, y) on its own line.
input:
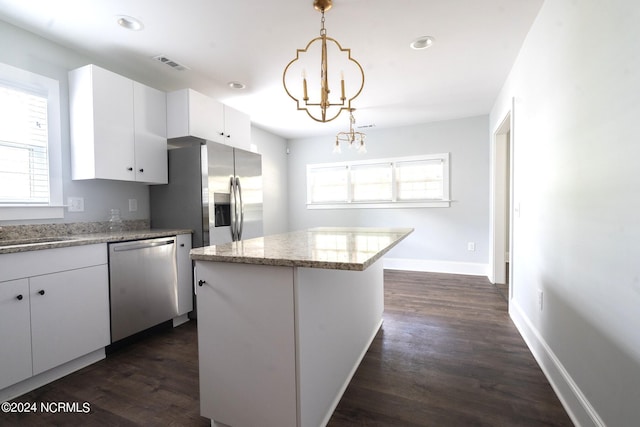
(323, 31)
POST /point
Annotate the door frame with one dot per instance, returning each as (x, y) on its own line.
(502, 203)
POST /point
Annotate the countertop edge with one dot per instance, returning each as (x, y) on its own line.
(91, 239)
(283, 262)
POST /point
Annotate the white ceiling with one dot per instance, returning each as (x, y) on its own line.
(252, 41)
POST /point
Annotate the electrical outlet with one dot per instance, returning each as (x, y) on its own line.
(471, 246)
(540, 299)
(133, 205)
(75, 204)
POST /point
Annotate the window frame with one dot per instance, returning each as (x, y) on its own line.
(444, 202)
(28, 81)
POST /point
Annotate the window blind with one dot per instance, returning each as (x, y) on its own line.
(420, 179)
(24, 165)
(328, 184)
(371, 182)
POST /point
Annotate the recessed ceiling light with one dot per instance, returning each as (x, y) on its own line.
(236, 85)
(422, 42)
(130, 23)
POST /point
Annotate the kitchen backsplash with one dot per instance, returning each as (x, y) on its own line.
(29, 231)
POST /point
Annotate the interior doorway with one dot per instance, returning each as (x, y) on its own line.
(502, 267)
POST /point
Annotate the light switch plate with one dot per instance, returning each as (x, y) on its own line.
(75, 204)
(133, 205)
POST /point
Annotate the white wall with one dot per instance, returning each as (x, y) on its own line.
(439, 242)
(274, 180)
(33, 53)
(576, 87)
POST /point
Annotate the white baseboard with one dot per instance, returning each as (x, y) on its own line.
(435, 266)
(51, 375)
(574, 401)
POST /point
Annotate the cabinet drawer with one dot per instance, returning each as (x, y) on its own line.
(35, 263)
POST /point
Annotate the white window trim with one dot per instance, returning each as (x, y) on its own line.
(55, 209)
(445, 202)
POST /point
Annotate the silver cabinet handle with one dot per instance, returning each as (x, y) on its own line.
(120, 247)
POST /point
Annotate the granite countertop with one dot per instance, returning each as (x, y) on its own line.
(8, 246)
(336, 248)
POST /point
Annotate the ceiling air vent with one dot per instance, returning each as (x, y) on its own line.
(366, 126)
(170, 62)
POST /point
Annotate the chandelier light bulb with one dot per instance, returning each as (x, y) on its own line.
(352, 137)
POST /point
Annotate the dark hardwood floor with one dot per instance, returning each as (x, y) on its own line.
(447, 355)
(153, 382)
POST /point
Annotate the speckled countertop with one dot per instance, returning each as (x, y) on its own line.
(25, 244)
(336, 248)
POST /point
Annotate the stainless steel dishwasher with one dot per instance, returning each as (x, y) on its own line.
(143, 285)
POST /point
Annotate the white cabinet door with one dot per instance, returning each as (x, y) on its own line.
(102, 131)
(69, 315)
(118, 127)
(190, 113)
(237, 128)
(15, 332)
(150, 117)
(246, 344)
(185, 274)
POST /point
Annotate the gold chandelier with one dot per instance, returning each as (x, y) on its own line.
(353, 138)
(324, 108)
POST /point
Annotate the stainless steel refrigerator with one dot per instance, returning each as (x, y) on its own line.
(213, 189)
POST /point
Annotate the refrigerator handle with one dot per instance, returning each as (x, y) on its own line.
(241, 224)
(234, 216)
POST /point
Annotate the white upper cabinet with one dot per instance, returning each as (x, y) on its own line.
(237, 128)
(150, 124)
(118, 128)
(190, 113)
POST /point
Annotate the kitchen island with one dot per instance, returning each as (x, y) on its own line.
(284, 321)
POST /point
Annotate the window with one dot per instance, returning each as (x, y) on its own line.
(30, 171)
(328, 184)
(371, 182)
(24, 166)
(419, 181)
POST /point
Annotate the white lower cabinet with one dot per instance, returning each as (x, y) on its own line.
(185, 274)
(58, 311)
(69, 315)
(15, 332)
(246, 344)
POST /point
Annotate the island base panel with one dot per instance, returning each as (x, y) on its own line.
(278, 345)
(246, 344)
(338, 314)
